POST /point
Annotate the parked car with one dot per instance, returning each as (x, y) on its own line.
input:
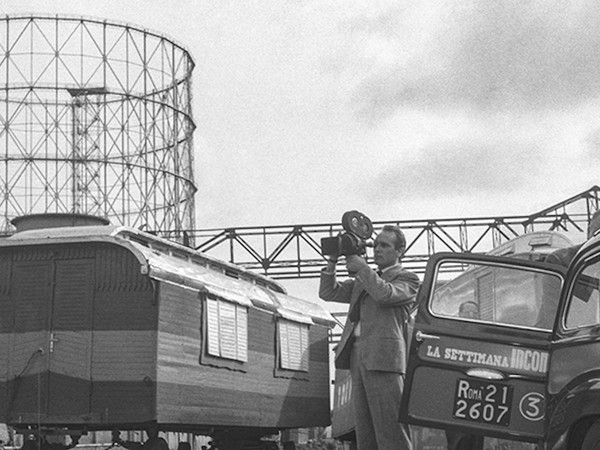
(526, 367)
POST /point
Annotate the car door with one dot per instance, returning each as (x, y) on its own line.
(478, 359)
(574, 371)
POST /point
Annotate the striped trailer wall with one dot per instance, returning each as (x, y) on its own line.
(104, 327)
(79, 328)
(253, 395)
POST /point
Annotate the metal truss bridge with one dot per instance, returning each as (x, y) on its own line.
(293, 251)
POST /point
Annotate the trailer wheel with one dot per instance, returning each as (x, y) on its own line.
(592, 437)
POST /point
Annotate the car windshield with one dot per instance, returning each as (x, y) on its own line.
(501, 294)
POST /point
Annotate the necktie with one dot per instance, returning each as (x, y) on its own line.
(354, 314)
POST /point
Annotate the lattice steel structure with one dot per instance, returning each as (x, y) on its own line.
(294, 251)
(95, 118)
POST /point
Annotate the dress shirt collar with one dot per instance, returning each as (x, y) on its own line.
(384, 270)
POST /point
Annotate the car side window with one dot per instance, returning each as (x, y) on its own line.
(584, 299)
(512, 296)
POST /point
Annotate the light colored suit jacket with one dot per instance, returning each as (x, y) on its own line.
(384, 313)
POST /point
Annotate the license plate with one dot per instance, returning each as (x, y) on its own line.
(482, 401)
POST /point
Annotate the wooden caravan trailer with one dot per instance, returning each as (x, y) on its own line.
(105, 327)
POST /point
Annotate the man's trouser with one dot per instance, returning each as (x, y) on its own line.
(376, 401)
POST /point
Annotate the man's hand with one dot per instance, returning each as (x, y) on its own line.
(331, 263)
(354, 263)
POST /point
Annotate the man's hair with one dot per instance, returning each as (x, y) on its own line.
(594, 224)
(463, 305)
(400, 239)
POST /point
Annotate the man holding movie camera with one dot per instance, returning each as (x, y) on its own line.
(373, 342)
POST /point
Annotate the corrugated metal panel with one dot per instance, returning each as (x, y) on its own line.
(6, 309)
(73, 295)
(32, 290)
(118, 270)
(71, 336)
(6, 321)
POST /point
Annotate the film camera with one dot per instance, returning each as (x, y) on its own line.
(358, 228)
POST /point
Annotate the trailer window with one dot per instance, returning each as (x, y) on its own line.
(584, 301)
(226, 330)
(495, 293)
(293, 346)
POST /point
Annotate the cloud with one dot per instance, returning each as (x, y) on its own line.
(592, 145)
(448, 169)
(486, 55)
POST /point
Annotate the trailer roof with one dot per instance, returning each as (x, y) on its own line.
(171, 262)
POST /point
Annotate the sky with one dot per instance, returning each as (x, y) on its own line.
(400, 109)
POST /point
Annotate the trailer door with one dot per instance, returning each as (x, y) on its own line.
(69, 340)
(478, 360)
(50, 349)
(30, 298)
